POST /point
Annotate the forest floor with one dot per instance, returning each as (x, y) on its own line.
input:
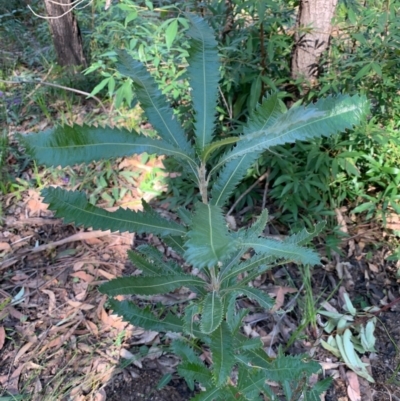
(59, 341)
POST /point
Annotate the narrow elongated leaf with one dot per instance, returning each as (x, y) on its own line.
(234, 317)
(209, 240)
(204, 76)
(265, 115)
(195, 372)
(257, 228)
(264, 300)
(68, 145)
(142, 264)
(221, 347)
(230, 176)
(326, 117)
(282, 369)
(211, 394)
(249, 265)
(250, 382)
(185, 352)
(176, 243)
(269, 247)
(303, 237)
(144, 318)
(212, 314)
(153, 102)
(73, 207)
(146, 285)
(154, 255)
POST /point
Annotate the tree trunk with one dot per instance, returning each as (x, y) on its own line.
(65, 32)
(313, 30)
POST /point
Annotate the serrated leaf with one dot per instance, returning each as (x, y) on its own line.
(154, 255)
(264, 300)
(228, 179)
(303, 237)
(189, 319)
(222, 351)
(265, 115)
(211, 394)
(326, 117)
(234, 317)
(257, 228)
(185, 352)
(209, 240)
(73, 207)
(69, 145)
(318, 388)
(269, 247)
(147, 285)
(154, 104)
(176, 243)
(249, 265)
(284, 368)
(144, 318)
(203, 73)
(212, 313)
(195, 372)
(250, 382)
(143, 264)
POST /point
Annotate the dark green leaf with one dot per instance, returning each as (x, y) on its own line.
(144, 318)
(212, 313)
(73, 207)
(146, 285)
(209, 240)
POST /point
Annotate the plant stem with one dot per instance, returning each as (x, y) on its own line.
(203, 183)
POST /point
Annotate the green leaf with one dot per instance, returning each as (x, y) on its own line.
(195, 372)
(211, 394)
(73, 207)
(303, 237)
(265, 115)
(144, 318)
(147, 285)
(204, 76)
(209, 240)
(222, 351)
(257, 227)
(170, 33)
(68, 145)
(154, 104)
(234, 318)
(100, 86)
(154, 255)
(143, 264)
(264, 300)
(176, 243)
(326, 117)
(185, 352)
(318, 388)
(228, 179)
(269, 247)
(212, 314)
(248, 266)
(282, 369)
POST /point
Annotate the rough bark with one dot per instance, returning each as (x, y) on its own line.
(65, 32)
(313, 30)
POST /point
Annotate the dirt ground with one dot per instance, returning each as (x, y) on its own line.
(60, 341)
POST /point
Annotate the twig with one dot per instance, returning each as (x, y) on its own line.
(23, 81)
(62, 15)
(264, 201)
(38, 85)
(73, 238)
(250, 188)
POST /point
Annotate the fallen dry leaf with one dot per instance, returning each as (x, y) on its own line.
(279, 294)
(353, 387)
(2, 337)
(100, 395)
(88, 278)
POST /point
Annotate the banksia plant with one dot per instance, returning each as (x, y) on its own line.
(240, 368)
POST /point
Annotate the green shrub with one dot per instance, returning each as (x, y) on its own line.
(218, 275)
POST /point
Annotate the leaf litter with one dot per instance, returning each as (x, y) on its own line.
(58, 339)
